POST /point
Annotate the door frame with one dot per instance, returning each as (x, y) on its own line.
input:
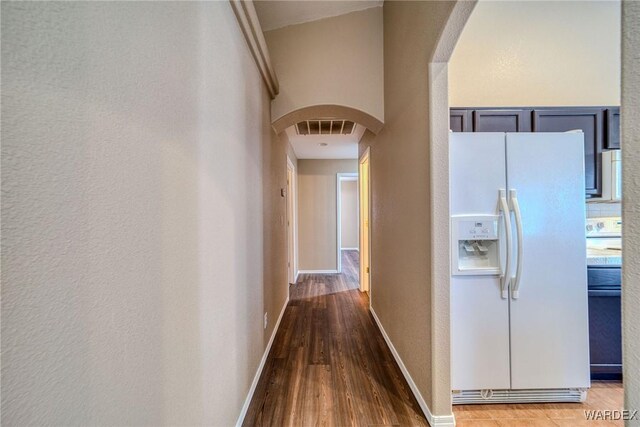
(340, 178)
(364, 158)
(291, 226)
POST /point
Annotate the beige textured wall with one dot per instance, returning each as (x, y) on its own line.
(400, 185)
(335, 60)
(317, 205)
(349, 214)
(515, 53)
(276, 283)
(630, 203)
(133, 180)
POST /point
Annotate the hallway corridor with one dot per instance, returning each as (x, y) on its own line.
(329, 364)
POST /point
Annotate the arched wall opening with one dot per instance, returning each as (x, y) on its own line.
(328, 111)
(439, 119)
(322, 155)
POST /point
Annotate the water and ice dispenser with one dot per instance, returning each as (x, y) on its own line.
(475, 245)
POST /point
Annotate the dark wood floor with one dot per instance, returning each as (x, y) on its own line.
(329, 364)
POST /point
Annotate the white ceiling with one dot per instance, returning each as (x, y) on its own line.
(277, 13)
(338, 146)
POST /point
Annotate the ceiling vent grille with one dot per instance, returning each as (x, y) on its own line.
(325, 127)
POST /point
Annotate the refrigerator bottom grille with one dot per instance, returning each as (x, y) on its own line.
(465, 397)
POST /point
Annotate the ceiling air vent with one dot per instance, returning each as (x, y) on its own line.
(325, 127)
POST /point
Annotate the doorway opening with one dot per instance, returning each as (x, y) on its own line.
(327, 220)
(595, 351)
(347, 216)
(365, 231)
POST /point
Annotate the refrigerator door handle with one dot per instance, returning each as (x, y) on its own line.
(515, 207)
(506, 215)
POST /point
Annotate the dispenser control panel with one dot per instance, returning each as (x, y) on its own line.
(475, 245)
(478, 230)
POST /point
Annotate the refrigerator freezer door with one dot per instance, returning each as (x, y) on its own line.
(479, 316)
(549, 319)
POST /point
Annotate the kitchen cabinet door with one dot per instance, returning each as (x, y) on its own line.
(460, 120)
(591, 122)
(605, 332)
(502, 120)
(613, 129)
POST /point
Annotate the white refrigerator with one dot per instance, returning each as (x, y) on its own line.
(519, 314)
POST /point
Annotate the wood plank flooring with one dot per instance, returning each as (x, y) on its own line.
(329, 364)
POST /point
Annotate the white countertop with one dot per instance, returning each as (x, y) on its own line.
(604, 256)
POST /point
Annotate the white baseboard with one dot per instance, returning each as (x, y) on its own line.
(318, 272)
(350, 249)
(295, 280)
(256, 378)
(434, 420)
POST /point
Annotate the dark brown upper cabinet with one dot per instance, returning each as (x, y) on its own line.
(613, 129)
(591, 122)
(516, 120)
(460, 120)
